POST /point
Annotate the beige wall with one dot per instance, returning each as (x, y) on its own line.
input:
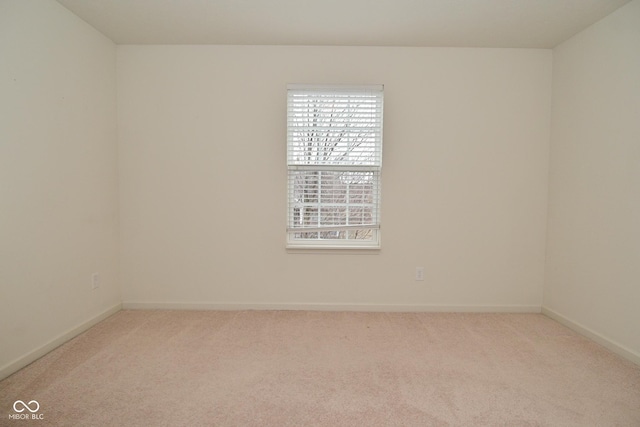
(58, 177)
(203, 177)
(593, 267)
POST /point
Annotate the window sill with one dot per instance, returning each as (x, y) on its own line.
(345, 250)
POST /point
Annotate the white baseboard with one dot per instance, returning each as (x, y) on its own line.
(34, 355)
(332, 307)
(593, 335)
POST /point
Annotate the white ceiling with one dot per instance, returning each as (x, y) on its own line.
(445, 23)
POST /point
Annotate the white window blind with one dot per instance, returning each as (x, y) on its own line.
(334, 158)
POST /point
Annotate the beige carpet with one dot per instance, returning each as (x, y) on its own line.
(297, 368)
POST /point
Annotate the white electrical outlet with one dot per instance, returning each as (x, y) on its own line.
(419, 273)
(95, 280)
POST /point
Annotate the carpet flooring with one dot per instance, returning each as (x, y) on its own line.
(305, 368)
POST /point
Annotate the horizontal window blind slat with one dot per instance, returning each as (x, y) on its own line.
(334, 168)
(333, 228)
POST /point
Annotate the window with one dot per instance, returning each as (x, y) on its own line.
(334, 159)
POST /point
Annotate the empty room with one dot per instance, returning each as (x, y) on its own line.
(332, 213)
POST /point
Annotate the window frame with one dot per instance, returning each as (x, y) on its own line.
(375, 168)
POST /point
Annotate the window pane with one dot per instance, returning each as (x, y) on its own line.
(325, 198)
(334, 157)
